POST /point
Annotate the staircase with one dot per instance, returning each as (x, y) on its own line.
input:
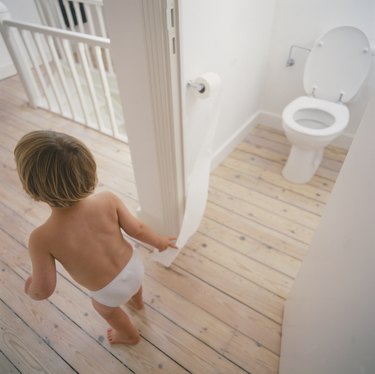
(65, 63)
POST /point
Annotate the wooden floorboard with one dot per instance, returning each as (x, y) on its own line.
(217, 309)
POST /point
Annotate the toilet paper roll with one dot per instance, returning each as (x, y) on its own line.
(203, 116)
(210, 82)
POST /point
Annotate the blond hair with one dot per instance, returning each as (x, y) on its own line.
(55, 168)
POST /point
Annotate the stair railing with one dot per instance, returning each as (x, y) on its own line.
(84, 16)
(67, 73)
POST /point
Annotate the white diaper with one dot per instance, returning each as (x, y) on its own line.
(125, 285)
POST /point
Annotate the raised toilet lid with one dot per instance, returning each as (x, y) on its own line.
(339, 62)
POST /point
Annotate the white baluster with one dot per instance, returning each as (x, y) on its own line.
(40, 10)
(77, 11)
(61, 74)
(30, 48)
(69, 14)
(75, 76)
(90, 85)
(107, 93)
(90, 20)
(99, 14)
(59, 15)
(39, 38)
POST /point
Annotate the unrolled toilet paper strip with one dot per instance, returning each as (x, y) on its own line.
(206, 113)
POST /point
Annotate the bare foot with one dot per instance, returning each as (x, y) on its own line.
(114, 337)
(139, 305)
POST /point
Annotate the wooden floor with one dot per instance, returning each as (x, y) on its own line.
(219, 307)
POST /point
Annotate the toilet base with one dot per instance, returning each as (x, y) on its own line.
(302, 164)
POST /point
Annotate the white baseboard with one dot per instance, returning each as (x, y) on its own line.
(269, 119)
(223, 151)
(7, 71)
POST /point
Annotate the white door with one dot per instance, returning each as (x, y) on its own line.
(143, 46)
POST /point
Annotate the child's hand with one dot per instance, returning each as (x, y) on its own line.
(165, 242)
(27, 284)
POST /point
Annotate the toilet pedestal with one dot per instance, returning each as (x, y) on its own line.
(302, 164)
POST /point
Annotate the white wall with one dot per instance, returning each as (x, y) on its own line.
(20, 10)
(329, 317)
(232, 41)
(301, 22)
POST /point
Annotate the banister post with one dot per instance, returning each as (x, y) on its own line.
(19, 59)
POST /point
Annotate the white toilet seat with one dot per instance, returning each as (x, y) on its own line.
(339, 113)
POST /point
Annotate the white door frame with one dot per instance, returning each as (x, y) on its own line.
(144, 47)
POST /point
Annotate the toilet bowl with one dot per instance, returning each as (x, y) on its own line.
(310, 124)
(334, 72)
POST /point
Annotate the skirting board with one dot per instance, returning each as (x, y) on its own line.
(224, 150)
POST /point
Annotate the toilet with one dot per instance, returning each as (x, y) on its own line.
(334, 72)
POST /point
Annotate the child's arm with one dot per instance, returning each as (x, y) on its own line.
(140, 231)
(42, 283)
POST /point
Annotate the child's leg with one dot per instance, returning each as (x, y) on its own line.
(123, 331)
(137, 301)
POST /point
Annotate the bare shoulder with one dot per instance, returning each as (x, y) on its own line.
(39, 238)
(104, 201)
(106, 197)
(113, 201)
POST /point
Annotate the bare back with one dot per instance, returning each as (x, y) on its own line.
(86, 239)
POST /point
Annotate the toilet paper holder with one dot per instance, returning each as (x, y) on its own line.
(200, 87)
(290, 61)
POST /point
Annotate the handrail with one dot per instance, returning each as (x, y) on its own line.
(64, 34)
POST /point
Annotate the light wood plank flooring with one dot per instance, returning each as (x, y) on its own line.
(218, 308)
